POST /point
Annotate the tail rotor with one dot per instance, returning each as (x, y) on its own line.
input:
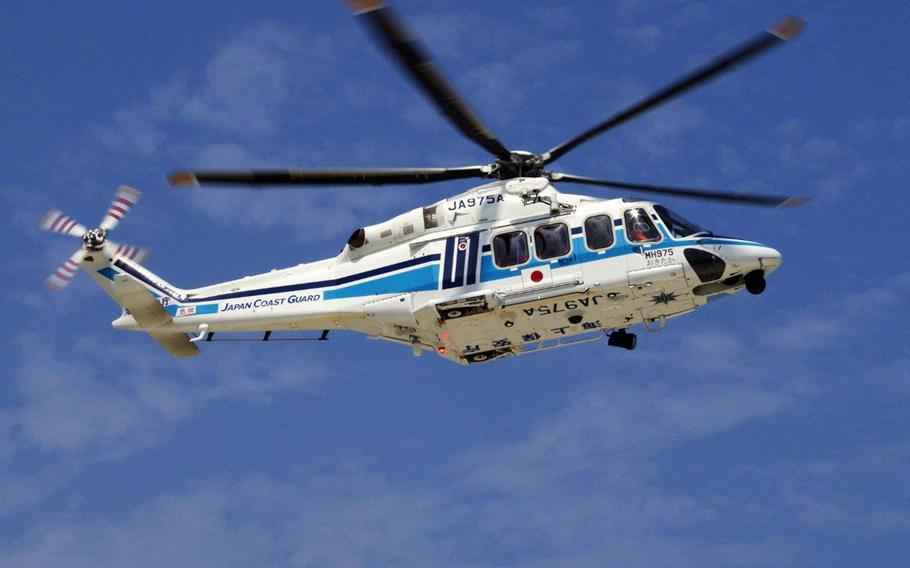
(122, 204)
(95, 239)
(56, 222)
(60, 279)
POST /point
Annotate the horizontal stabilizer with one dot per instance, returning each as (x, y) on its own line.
(151, 315)
(176, 343)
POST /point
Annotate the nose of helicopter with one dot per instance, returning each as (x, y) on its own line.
(755, 262)
(767, 259)
(747, 256)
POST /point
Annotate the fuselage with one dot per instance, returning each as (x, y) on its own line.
(506, 268)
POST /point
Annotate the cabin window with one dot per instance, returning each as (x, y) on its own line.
(678, 225)
(357, 239)
(551, 241)
(599, 232)
(430, 217)
(639, 228)
(510, 249)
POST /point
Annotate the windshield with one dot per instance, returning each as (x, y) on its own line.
(678, 225)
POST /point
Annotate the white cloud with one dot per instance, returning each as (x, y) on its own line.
(73, 408)
(345, 520)
(247, 83)
(901, 127)
(66, 406)
(602, 422)
(820, 493)
(246, 90)
(821, 324)
(582, 488)
(731, 162)
(646, 37)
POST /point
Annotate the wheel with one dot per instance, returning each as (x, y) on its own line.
(452, 314)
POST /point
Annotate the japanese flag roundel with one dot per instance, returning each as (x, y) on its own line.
(537, 276)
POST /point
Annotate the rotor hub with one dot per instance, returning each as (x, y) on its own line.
(520, 164)
(94, 239)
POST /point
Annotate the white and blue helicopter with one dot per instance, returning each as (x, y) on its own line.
(510, 267)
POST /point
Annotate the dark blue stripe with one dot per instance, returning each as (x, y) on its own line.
(725, 241)
(486, 248)
(448, 259)
(459, 266)
(290, 287)
(617, 222)
(472, 259)
(139, 276)
(576, 230)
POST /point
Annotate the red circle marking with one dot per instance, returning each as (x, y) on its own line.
(536, 276)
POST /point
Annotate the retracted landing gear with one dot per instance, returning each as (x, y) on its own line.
(622, 338)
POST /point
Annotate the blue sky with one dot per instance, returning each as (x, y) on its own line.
(760, 431)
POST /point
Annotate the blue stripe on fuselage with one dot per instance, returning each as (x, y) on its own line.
(418, 280)
(292, 287)
(427, 277)
(581, 254)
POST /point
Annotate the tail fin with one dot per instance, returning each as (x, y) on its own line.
(143, 297)
(154, 284)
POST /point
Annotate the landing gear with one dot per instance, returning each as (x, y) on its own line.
(755, 282)
(622, 338)
(487, 356)
(462, 307)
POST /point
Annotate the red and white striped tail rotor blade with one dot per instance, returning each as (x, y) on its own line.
(63, 275)
(123, 202)
(56, 222)
(136, 254)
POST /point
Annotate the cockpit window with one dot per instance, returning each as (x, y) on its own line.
(677, 224)
(551, 241)
(599, 232)
(639, 228)
(510, 249)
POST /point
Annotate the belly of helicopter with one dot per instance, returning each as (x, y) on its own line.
(512, 323)
(511, 328)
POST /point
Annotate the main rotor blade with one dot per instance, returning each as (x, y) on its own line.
(706, 194)
(124, 200)
(784, 31)
(411, 55)
(371, 176)
(55, 221)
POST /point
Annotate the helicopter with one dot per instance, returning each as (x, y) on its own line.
(510, 267)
